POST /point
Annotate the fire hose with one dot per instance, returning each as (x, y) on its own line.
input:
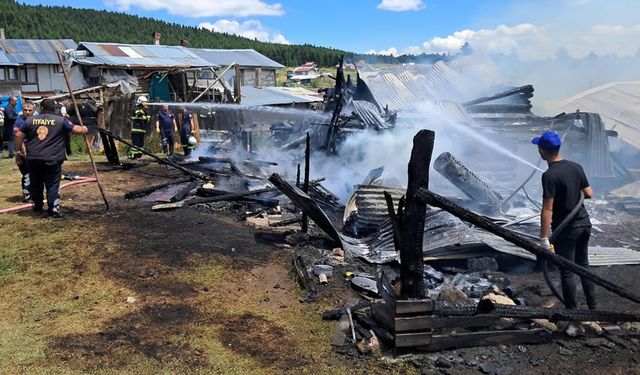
(26, 206)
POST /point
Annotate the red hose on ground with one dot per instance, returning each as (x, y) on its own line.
(26, 206)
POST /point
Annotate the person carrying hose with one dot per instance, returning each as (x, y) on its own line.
(563, 185)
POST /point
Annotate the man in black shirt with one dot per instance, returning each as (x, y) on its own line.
(562, 184)
(45, 153)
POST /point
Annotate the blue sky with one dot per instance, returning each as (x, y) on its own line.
(526, 28)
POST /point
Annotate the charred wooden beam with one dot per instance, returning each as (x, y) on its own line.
(307, 205)
(148, 190)
(412, 265)
(284, 223)
(525, 92)
(523, 242)
(182, 193)
(395, 218)
(555, 315)
(305, 186)
(487, 338)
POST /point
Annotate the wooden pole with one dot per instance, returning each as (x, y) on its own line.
(305, 185)
(411, 262)
(212, 84)
(482, 222)
(86, 140)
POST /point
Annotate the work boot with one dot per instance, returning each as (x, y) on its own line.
(54, 213)
(37, 210)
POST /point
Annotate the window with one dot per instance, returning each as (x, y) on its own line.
(57, 69)
(28, 74)
(13, 75)
(3, 76)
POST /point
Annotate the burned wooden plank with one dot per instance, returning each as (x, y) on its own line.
(148, 190)
(487, 338)
(371, 324)
(405, 340)
(555, 315)
(523, 242)
(182, 193)
(307, 205)
(383, 313)
(415, 306)
(416, 323)
(411, 263)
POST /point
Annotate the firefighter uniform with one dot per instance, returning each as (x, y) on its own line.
(45, 144)
(185, 132)
(139, 121)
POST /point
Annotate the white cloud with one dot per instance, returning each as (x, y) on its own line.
(252, 29)
(413, 50)
(203, 8)
(533, 42)
(385, 52)
(401, 5)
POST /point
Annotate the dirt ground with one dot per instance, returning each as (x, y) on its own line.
(187, 291)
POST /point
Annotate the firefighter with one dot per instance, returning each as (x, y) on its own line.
(45, 153)
(167, 128)
(186, 132)
(139, 121)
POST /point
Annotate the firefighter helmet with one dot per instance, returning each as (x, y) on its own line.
(141, 99)
(192, 140)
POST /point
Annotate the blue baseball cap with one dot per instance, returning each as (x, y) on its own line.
(547, 141)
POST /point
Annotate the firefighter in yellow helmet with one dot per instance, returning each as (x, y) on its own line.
(139, 121)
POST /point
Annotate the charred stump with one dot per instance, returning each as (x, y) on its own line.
(412, 227)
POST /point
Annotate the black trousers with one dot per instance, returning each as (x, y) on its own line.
(137, 138)
(185, 133)
(26, 180)
(168, 141)
(573, 244)
(45, 174)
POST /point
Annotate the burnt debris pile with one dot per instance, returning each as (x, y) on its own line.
(430, 271)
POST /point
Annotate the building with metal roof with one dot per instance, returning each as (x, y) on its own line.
(34, 64)
(139, 56)
(255, 68)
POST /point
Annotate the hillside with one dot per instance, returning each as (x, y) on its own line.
(51, 22)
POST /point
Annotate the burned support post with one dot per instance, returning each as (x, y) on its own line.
(520, 241)
(412, 266)
(305, 186)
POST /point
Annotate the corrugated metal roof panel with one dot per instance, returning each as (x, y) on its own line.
(5, 61)
(140, 56)
(446, 237)
(462, 79)
(35, 51)
(617, 103)
(277, 95)
(243, 57)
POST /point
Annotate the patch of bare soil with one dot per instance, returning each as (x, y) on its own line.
(263, 340)
(146, 332)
